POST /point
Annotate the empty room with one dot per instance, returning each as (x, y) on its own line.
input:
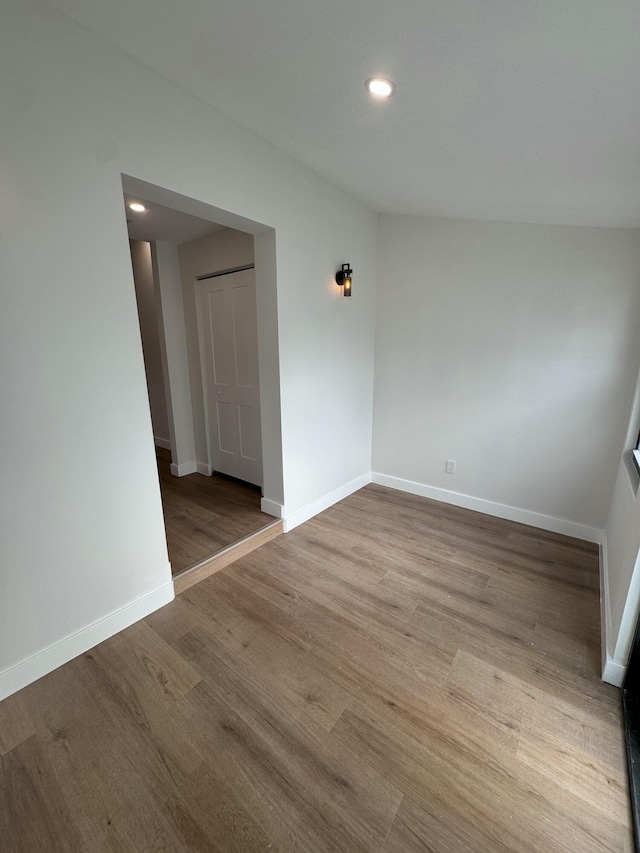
(433, 645)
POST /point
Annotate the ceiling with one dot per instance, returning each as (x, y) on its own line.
(517, 110)
(165, 224)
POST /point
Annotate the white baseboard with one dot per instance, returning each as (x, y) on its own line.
(45, 661)
(204, 468)
(183, 469)
(162, 442)
(613, 673)
(307, 512)
(511, 513)
(272, 508)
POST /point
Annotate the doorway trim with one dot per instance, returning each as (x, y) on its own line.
(268, 343)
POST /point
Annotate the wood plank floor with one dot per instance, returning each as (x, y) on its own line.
(203, 515)
(394, 675)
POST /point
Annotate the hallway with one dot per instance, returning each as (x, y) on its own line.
(203, 515)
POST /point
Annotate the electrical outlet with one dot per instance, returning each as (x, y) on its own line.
(450, 466)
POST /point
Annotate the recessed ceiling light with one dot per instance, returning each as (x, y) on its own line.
(137, 207)
(380, 87)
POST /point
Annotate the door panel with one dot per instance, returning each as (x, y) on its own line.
(226, 427)
(249, 436)
(245, 350)
(221, 334)
(229, 349)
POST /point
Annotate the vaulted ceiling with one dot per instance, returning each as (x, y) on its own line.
(517, 110)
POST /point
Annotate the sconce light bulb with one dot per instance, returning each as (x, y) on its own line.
(343, 279)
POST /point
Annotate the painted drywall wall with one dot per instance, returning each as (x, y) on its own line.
(226, 249)
(513, 350)
(166, 272)
(83, 546)
(148, 320)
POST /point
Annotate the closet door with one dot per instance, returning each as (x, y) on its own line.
(229, 348)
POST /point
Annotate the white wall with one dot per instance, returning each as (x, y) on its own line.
(148, 319)
(512, 349)
(225, 249)
(83, 547)
(166, 272)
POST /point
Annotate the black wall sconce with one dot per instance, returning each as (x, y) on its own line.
(344, 278)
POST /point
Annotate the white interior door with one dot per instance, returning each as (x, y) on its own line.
(229, 349)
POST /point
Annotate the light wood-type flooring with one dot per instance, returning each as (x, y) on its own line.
(203, 515)
(394, 675)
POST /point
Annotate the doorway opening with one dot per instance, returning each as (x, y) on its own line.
(204, 515)
(205, 291)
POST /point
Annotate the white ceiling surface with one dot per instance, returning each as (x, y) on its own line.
(164, 223)
(517, 110)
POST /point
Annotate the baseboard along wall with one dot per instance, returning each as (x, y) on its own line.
(510, 513)
(46, 660)
(183, 469)
(272, 508)
(293, 519)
